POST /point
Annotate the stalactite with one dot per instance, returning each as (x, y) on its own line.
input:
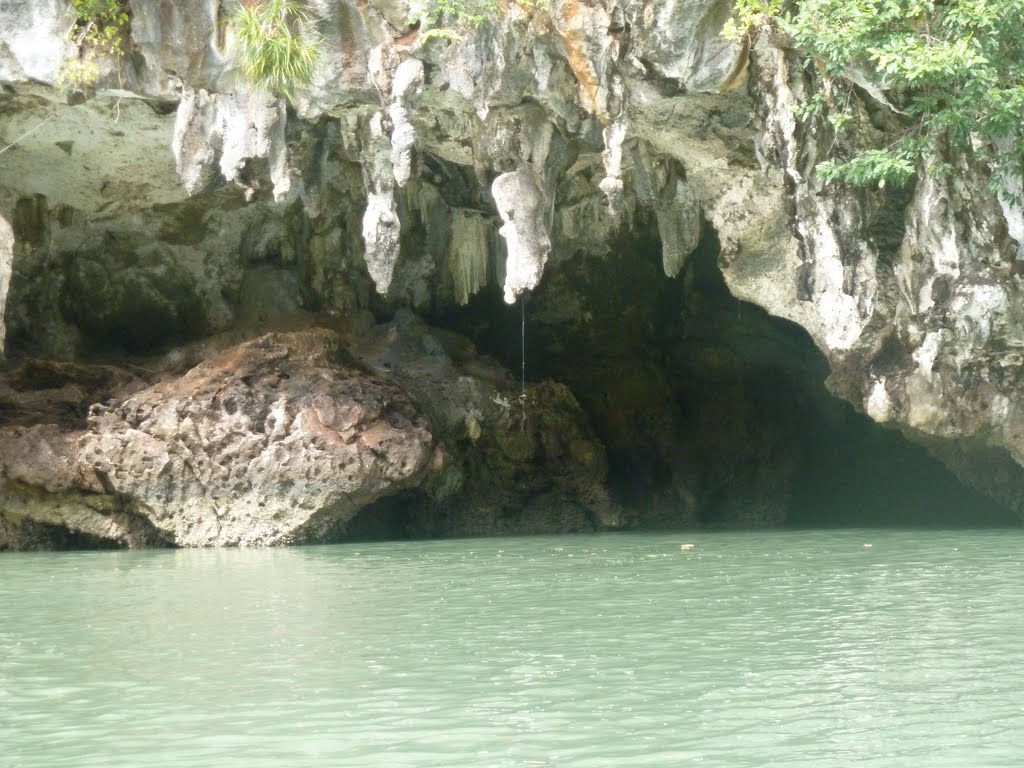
(468, 253)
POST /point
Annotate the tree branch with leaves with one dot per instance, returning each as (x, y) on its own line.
(953, 68)
(100, 29)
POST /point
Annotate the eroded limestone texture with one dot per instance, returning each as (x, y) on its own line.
(273, 441)
(287, 438)
(512, 461)
(417, 173)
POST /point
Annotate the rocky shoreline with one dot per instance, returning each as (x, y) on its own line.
(232, 319)
(285, 439)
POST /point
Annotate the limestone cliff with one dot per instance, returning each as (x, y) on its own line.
(420, 172)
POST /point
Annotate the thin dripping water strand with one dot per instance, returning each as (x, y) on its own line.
(522, 370)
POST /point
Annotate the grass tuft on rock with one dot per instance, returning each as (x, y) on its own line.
(276, 44)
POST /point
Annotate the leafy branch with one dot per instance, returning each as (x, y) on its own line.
(451, 19)
(954, 67)
(101, 29)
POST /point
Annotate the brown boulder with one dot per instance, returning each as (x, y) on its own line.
(277, 440)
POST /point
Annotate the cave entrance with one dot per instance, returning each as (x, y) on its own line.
(714, 413)
(389, 519)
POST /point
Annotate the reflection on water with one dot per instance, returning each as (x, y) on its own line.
(750, 649)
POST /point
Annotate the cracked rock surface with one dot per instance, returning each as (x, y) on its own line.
(418, 174)
(273, 441)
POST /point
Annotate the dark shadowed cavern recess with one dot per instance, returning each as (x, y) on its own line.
(714, 414)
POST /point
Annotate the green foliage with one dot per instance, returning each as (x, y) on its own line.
(100, 30)
(870, 166)
(750, 15)
(276, 44)
(952, 69)
(451, 19)
(463, 13)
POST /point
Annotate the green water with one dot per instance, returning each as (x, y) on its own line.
(759, 649)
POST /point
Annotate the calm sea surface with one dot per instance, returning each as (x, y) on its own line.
(752, 649)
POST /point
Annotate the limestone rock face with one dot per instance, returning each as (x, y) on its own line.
(509, 461)
(913, 294)
(32, 34)
(48, 497)
(521, 206)
(184, 41)
(271, 442)
(418, 171)
(287, 438)
(242, 127)
(141, 281)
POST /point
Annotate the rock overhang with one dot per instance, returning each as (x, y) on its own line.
(615, 112)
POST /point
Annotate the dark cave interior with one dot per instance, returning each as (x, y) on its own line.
(714, 413)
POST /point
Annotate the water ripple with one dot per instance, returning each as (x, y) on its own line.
(780, 649)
